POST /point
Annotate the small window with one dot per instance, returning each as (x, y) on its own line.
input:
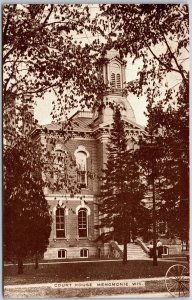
(62, 253)
(165, 250)
(84, 253)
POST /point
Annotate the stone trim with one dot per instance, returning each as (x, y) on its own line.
(56, 197)
(82, 149)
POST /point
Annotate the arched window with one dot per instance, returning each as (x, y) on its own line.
(82, 222)
(84, 253)
(60, 222)
(115, 76)
(81, 161)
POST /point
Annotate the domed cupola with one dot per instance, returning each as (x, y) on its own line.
(114, 77)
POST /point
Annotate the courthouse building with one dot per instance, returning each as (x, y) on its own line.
(75, 214)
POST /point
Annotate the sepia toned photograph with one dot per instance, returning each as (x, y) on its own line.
(95, 150)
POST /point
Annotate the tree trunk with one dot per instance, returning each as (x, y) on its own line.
(125, 251)
(20, 265)
(154, 226)
(36, 261)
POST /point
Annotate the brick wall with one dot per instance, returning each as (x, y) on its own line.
(72, 243)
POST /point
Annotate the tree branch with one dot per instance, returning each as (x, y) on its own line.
(173, 56)
(36, 91)
(60, 22)
(7, 54)
(47, 17)
(10, 76)
(160, 61)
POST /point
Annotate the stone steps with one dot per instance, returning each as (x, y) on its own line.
(134, 252)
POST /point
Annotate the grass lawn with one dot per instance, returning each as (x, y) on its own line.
(85, 271)
(81, 272)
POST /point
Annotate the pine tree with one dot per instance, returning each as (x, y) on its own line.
(122, 190)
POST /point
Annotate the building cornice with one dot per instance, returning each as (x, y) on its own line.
(67, 197)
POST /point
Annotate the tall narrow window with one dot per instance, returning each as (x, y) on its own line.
(81, 160)
(82, 222)
(118, 81)
(60, 222)
(113, 80)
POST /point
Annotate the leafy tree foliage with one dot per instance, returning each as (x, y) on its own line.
(142, 27)
(41, 55)
(27, 223)
(122, 190)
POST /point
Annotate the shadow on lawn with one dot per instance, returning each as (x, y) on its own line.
(85, 271)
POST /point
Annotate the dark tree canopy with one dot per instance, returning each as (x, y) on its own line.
(27, 222)
(41, 55)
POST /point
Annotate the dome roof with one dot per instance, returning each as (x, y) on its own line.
(129, 112)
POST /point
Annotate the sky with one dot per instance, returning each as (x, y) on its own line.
(44, 107)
